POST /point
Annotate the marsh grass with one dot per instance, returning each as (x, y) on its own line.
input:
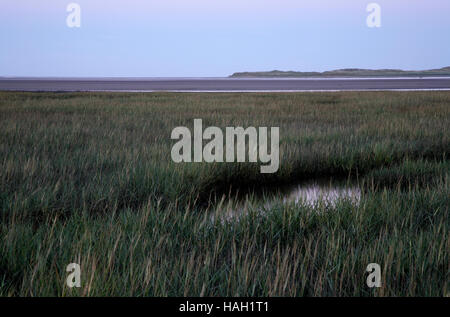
(87, 178)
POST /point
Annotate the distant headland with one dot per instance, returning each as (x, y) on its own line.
(347, 72)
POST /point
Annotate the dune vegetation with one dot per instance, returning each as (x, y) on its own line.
(347, 72)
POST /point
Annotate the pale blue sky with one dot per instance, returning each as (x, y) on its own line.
(151, 38)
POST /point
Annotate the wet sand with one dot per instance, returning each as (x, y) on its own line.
(222, 84)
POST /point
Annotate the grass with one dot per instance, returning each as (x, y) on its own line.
(87, 178)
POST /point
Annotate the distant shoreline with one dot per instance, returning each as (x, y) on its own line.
(346, 73)
(227, 84)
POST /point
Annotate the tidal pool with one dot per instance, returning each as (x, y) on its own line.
(316, 193)
(326, 193)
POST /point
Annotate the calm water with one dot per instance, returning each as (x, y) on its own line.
(312, 194)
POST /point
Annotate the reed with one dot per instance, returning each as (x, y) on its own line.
(87, 178)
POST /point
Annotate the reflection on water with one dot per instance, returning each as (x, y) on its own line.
(312, 194)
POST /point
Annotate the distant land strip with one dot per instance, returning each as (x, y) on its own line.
(347, 72)
(225, 84)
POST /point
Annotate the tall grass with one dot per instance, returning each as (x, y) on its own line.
(87, 178)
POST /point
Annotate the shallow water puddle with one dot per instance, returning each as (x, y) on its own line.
(314, 193)
(311, 194)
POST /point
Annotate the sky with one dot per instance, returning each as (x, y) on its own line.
(215, 38)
